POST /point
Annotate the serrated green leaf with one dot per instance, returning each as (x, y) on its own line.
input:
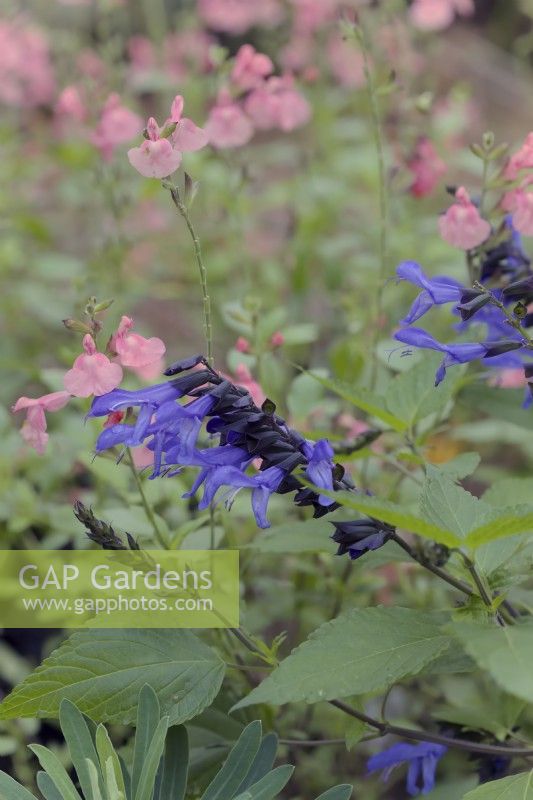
(515, 787)
(57, 772)
(80, 744)
(268, 786)
(505, 653)
(395, 515)
(366, 401)
(412, 396)
(502, 523)
(10, 789)
(145, 786)
(237, 764)
(361, 651)
(449, 506)
(103, 671)
(462, 465)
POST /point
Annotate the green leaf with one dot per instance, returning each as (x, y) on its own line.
(262, 763)
(395, 515)
(366, 401)
(505, 653)
(145, 787)
(462, 465)
(269, 786)
(47, 787)
(341, 792)
(355, 731)
(148, 717)
(10, 789)
(502, 523)
(508, 491)
(237, 764)
(80, 744)
(515, 787)
(311, 536)
(412, 396)
(361, 651)
(103, 671)
(110, 765)
(57, 772)
(449, 506)
(175, 765)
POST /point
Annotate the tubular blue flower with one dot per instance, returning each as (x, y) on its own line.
(320, 467)
(435, 291)
(262, 485)
(460, 353)
(422, 760)
(507, 258)
(357, 537)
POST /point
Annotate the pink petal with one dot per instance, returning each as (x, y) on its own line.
(155, 159)
(92, 375)
(188, 137)
(136, 351)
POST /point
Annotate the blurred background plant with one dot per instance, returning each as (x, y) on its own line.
(289, 216)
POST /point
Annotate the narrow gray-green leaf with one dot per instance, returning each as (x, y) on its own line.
(505, 653)
(148, 716)
(10, 789)
(145, 787)
(57, 772)
(175, 765)
(515, 787)
(109, 763)
(237, 764)
(262, 762)
(341, 792)
(80, 744)
(47, 787)
(361, 651)
(269, 785)
(103, 671)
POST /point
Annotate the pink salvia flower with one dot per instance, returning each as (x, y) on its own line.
(155, 158)
(436, 15)
(250, 68)
(70, 105)
(242, 345)
(227, 125)
(187, 137)
(33, 430)
(462, 225)
(522, 159)
(243, 377)
(135, 351)
(277, 104)
(117, 126)
(92, 372)
(277, 339)
(426, 167)
(523, 212)
(26, 74)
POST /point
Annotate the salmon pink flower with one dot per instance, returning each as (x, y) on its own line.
(92, 373)
(242, 345)
(227, 125)
(277, 104)
(134, 350)
(436, 15)
(523, 212)
(250, 68)
(243, 377)
(70, 105)
(33, 430)
(462, 225)
(522, 159)
(187, 137)
(426, 167)
(237, 16)
(117, 126)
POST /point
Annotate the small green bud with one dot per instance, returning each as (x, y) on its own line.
(477, 150)
(520, 310)
(488, 140)
(103, 306)
(268, 407)
(76, 326)
(424, 102)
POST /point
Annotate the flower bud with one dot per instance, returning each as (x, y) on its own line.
(76, 326)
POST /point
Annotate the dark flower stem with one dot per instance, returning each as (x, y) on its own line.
(158, 533)
(426, 563)
(385, 728)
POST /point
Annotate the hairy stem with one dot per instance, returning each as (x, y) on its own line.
(158, 533)
(426, 563)
(385, 728)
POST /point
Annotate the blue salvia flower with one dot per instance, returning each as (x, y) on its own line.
(319, 468)
(422, 760)
(358, 537)
(435, 291)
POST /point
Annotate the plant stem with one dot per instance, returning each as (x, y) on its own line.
(483, 592)
(208, 329)
(377, 133)
(425, 562)
(158, 533)
(385, 728)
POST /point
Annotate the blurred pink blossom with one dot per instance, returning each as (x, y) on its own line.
(135, 351)
(70, 105)
(227, 125)
(91, 65)
(311, 15)
(277, 339)
(243, 377)
(523, 212)
(33, 430)
(298, 53)
(250, 67)
(237, 16)
(242, 345)
(92, 373)
(509, 378)
(426, 167)
(117, 125)
(522, 159)
(461, 225)
(26, 75)
(277, 104)
(436, 15)
(345, 61)
(142, 457)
